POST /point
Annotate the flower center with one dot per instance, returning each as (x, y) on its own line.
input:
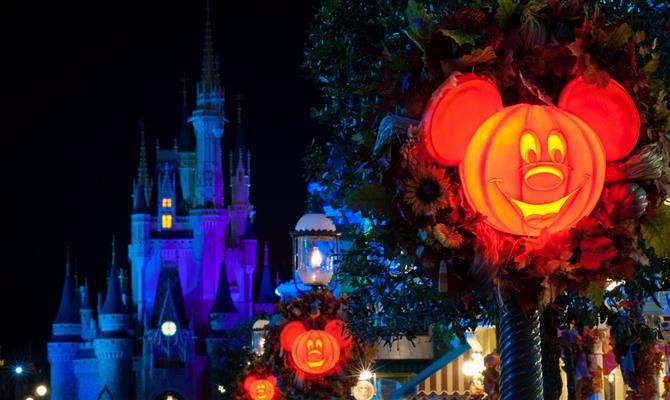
(428, 191)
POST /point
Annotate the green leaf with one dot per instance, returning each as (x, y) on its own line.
(369, 198)
(459, 37)
(615, 40)
(652, 65)
(656, 232)
(506, 8)
(419, 20)
(596, 294)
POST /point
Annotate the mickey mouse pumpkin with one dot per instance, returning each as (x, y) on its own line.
(260, 388)
(315, 352)
(526, 167)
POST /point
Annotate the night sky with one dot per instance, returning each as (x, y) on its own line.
(76, 77)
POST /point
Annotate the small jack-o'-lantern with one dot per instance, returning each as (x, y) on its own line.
(315, 352)
(528, 167)
(260, 388)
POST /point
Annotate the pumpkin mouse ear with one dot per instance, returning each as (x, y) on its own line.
(290, 333)
(248, 381)
(609, 111)
(454, 114)
(338, 329)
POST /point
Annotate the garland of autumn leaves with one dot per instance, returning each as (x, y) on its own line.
(419, 218)
(315, 309)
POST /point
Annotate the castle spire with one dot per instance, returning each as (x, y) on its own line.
(210, 92)
(67, 312)
(223, 303)
(142, 187)
(142, 170)
(185, 135)
(113, 299)
(266, 294)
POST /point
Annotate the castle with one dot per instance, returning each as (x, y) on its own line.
(192, 265)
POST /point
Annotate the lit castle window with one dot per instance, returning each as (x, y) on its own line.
(166, 221)
(167, 202)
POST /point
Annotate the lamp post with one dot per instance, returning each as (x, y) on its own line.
(315, 248)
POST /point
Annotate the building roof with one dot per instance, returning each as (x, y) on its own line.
(266, 293)
(223, 303)
(113, 301)
(169, 300)
(68, 313)
(249, 229)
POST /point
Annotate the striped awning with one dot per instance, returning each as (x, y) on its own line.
(449, 379)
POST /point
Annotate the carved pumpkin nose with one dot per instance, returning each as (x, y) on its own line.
(543, 177)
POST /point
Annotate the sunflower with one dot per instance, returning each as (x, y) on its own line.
(426, 190)
(447, 236)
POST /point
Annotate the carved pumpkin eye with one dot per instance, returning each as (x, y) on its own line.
(556, 147)
(530, 147)
(310, 344)
(319, 344)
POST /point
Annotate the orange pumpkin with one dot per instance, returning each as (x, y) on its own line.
(527, 168)
(260, 388)
(315, 352)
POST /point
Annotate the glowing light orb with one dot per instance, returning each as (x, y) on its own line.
(364, 390)
(168, 328)
(41, 390)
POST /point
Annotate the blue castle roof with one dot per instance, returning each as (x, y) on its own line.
(68, 313)
(223, 303)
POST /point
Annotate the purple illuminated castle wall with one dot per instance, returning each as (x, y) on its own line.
(193, 258)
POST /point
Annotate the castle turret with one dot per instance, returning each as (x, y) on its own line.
(223, 314)
(64, 343)
(113, 345)
(266, 294)
(139, 250)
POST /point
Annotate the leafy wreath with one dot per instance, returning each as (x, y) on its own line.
(314, 309)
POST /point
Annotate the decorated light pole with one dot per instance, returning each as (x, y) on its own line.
(315, 247)
(530, 170)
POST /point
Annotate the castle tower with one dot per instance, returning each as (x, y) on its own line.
(64, 343)
(208, 217)
(140, 249)
(85, 363)
(113, 346)
(208, 121)
(240, 181)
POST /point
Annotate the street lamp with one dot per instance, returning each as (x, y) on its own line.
(315, 246)
(18, 370)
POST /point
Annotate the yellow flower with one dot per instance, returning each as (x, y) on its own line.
(426, 190)
(447, 236)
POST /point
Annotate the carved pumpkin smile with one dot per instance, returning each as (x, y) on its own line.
(538, 215)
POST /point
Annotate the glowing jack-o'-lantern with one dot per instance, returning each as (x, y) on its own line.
(528, 167)
(315, 352)
(260, 388)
